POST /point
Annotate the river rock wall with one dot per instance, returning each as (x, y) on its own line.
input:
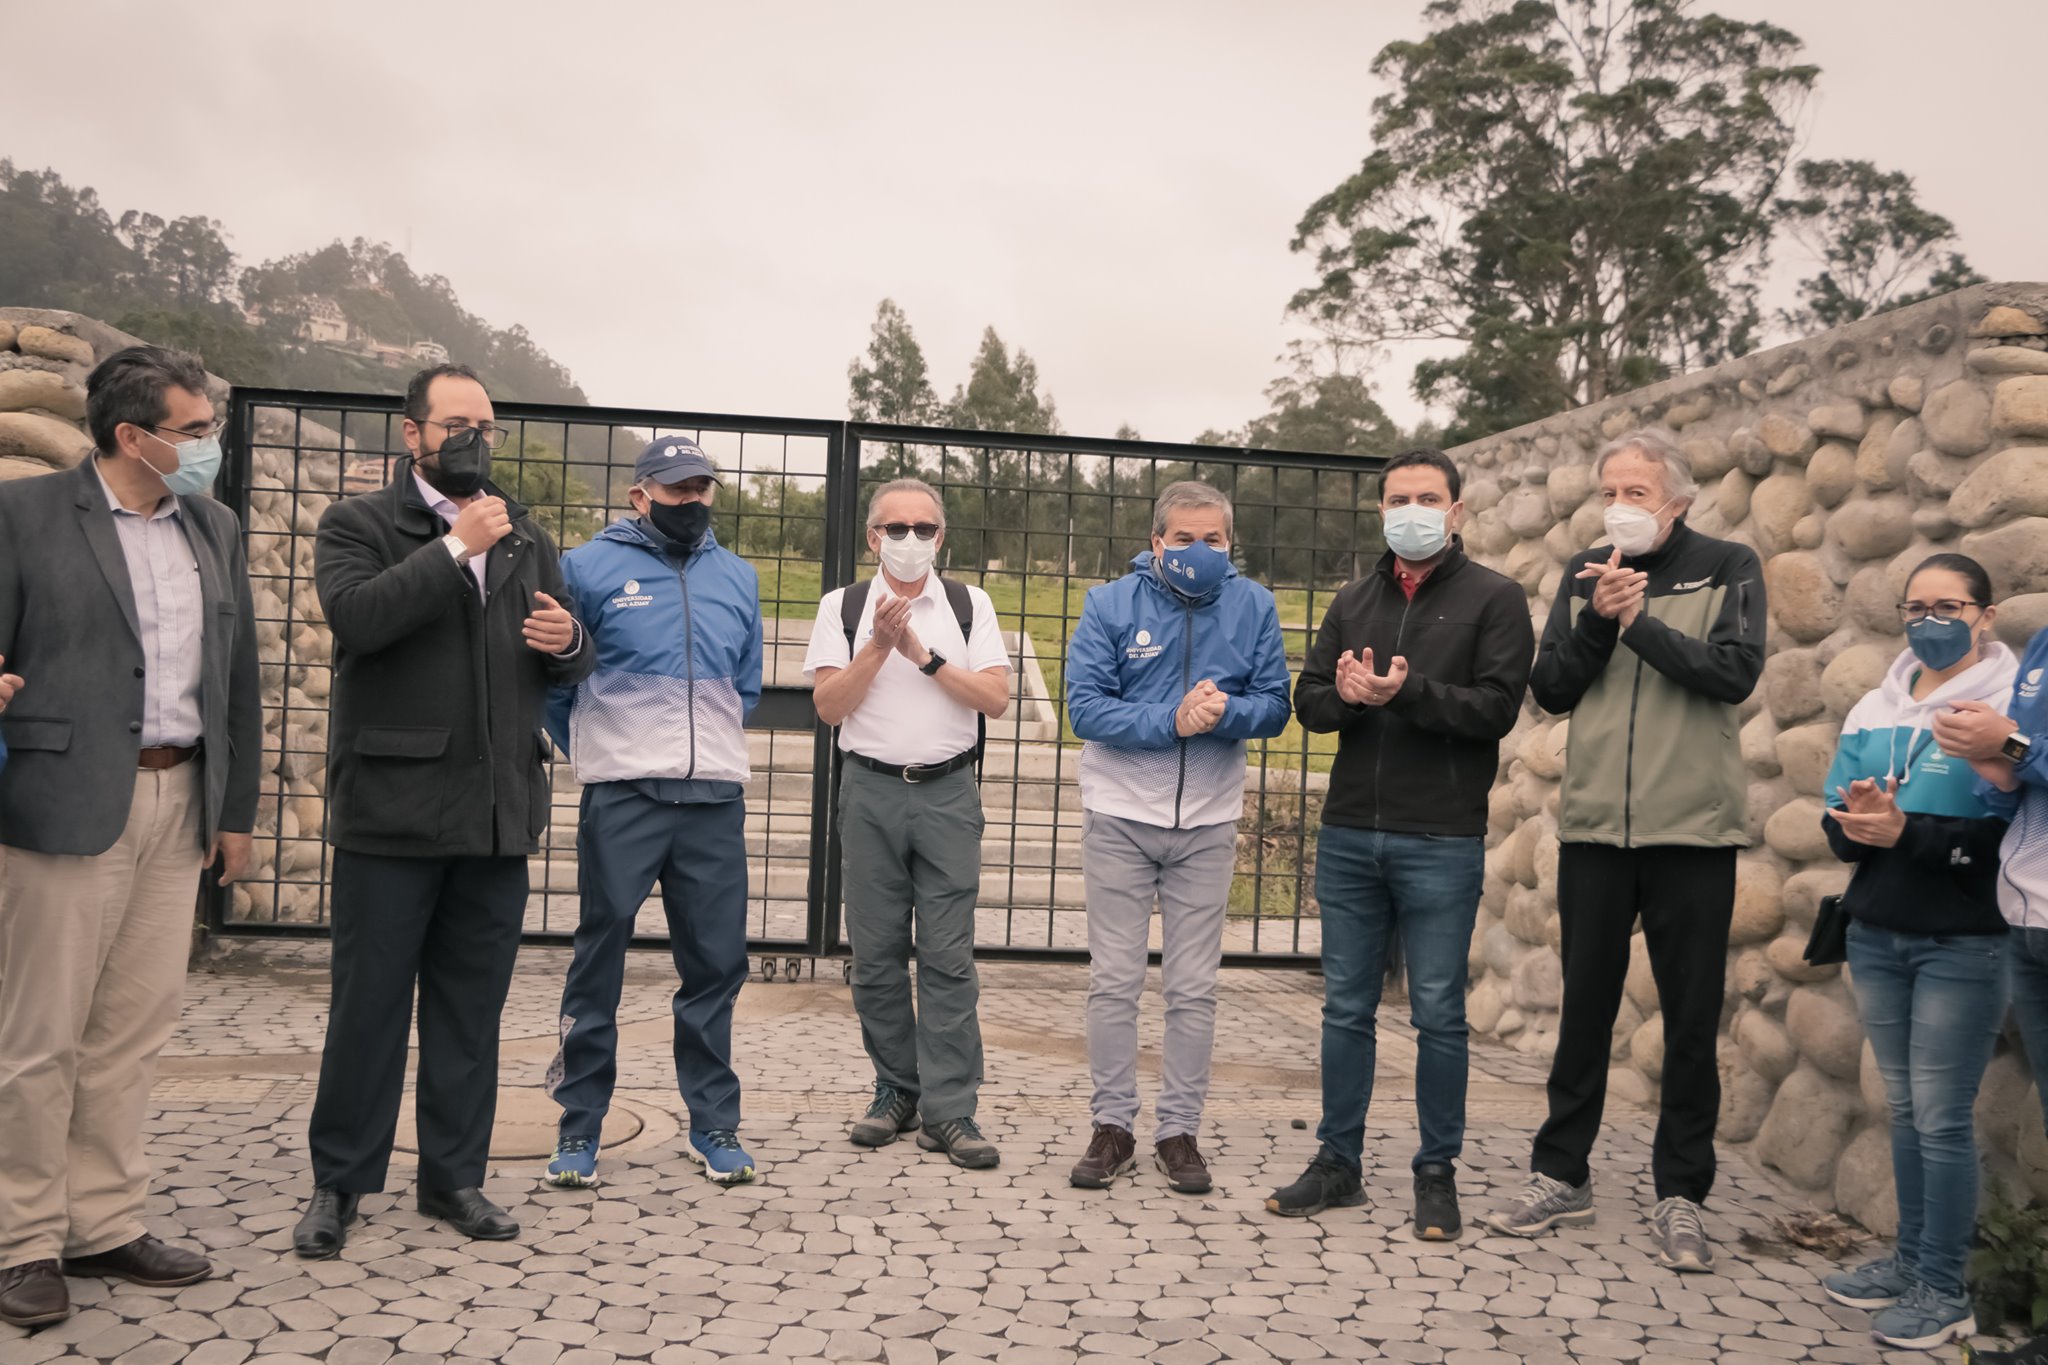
(45, 356)
(1843, 460)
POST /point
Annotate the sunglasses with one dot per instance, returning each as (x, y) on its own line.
(896, 530)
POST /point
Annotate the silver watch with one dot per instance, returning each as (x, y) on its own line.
(456, 548)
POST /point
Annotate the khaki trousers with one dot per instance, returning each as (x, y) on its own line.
(92, 967)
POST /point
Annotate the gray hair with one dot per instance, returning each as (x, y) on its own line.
(1188, 494)
(906, 486)
(1659, 445)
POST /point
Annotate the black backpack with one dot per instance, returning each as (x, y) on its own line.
(855, 602)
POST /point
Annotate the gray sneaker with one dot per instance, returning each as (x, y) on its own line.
(1541, 1204)
(1681, 1237)
(1874, 1284)
(1925, 1318)
(892, 1113)
(961, 1141)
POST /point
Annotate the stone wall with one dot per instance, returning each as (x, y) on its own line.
(1843, 460)
(45, 356)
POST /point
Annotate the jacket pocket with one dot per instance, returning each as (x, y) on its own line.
(394, 790)
(401, 741)
(47, 733)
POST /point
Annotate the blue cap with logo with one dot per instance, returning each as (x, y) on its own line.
(673, 459)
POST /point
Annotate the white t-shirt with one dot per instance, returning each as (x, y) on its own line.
(907, 717)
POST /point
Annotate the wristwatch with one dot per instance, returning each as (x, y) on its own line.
(456, 547)
(933, 664)
(2016, 747)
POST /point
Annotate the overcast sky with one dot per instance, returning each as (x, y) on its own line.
(698, 206)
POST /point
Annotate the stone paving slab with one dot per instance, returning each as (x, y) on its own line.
(894, 1256)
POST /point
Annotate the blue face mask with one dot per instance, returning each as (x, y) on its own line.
(1415, 533)
(1193, 570)
(1937, 643)
(198, 465)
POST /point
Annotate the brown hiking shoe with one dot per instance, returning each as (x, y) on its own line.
(1181, 1160)
(1111, 1152)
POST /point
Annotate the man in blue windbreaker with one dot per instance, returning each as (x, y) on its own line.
(1170, 670)
(656, 734)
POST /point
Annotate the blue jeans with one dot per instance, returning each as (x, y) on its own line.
(1933, 1008)
(2027, 952)
(1371, 883)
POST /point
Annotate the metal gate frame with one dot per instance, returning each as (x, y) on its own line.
(781, 708)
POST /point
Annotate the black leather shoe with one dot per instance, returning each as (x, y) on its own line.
(144, 1261)
(323, 1228)
(33, 1294)
(469, 1213)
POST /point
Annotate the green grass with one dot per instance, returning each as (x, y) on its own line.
(1046, 608)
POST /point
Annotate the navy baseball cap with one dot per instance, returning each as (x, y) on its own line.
(673, 459)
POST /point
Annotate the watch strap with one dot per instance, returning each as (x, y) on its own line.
(933, 664)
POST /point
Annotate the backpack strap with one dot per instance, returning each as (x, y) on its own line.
(851, 604)
(963, 612)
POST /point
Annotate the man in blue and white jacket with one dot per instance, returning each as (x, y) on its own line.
(657, 736)
(1170, 670)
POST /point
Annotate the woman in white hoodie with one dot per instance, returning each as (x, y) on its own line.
(1926, 939)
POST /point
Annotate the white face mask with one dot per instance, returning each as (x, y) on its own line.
(1632, 530)
(908, 559)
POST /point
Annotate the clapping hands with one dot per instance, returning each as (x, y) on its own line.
(1200, 711)
(1618, 595)
(1358, 684)
(1870, 812)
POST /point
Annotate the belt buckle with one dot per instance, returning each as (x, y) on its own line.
(910, 768)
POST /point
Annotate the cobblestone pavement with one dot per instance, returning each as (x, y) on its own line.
(894, 1255)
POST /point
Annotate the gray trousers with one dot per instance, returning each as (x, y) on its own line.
(1128, 867)
(913, 871)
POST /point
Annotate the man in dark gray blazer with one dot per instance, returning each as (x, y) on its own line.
(445, 601)
(132, 717)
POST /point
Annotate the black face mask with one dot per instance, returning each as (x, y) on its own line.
(460, 466)
(681, 524)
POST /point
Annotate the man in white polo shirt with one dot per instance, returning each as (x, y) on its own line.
(891, 666)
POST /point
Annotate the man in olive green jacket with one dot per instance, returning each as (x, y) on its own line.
(1655, 639)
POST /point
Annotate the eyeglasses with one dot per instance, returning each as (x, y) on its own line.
(213, 428)
(493, 435)
(896, 530)
(1948, 609)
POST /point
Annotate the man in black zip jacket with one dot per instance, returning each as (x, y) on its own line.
(445, 602)
(1655, 638)
(1403, 843)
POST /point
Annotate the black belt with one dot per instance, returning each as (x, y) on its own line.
(913, 772)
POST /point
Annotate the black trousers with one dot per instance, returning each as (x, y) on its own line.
(451, 926)
(1685, 897)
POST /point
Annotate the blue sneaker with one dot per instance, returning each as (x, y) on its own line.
(1925, 1318)
(574, 1166)
(720, 1154)
(1876, 1284)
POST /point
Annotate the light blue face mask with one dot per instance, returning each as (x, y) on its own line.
(198, 465)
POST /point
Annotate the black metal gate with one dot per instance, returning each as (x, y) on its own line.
(1033, 519)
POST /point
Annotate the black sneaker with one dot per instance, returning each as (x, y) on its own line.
(1327, 1183)
(2034, 1352)
(1436, 1202)
(893, 1112)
